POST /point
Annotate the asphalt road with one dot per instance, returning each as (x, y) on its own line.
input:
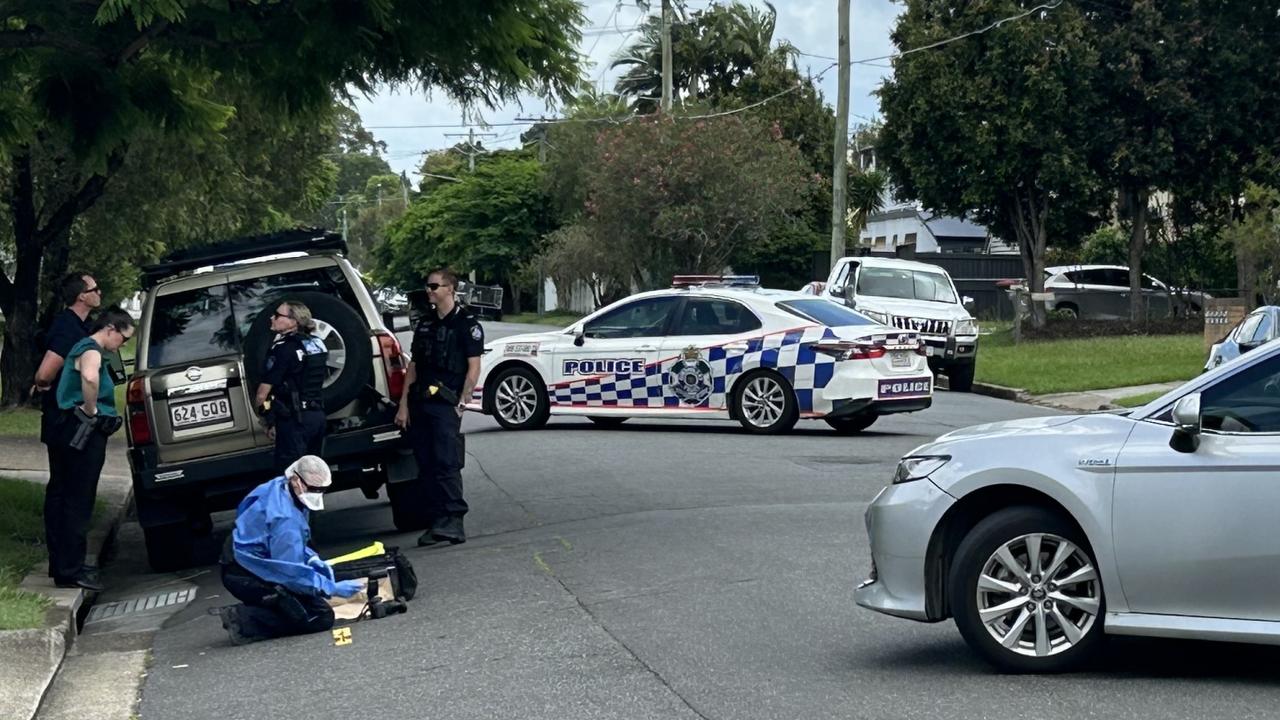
(664, 570)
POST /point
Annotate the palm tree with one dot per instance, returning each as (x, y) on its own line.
(712, 51)
(866, 191)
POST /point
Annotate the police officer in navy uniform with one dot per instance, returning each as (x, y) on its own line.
(289, 396)
(446, 349)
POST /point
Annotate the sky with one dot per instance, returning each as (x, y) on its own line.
(611, 25)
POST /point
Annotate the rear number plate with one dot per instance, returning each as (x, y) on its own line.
(905, 388)
(201, 412)
(899, 359)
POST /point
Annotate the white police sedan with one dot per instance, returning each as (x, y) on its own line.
(709, 347)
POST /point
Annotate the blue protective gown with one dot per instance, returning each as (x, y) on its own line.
(270, 541)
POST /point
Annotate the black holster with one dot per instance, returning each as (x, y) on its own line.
(105, 424)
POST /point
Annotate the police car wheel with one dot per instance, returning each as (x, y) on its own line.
(851, 424)
(764, 403)
(520, 399)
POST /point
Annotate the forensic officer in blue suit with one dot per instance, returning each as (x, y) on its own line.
(289, 397)
(267, 565)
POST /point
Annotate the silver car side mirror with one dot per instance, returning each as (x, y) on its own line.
(1186, 424)
(967, 302)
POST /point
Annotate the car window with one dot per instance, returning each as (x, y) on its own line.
(1114, 277)
(1248, 401)
(715, 317)
(824, 312)
(905, 284)
(191, 326)
(250, 297)
(1263, 333)
(642, 318)
(1248, 327)
(837, 288)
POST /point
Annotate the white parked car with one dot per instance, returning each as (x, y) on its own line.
(1038, 536)
(912, 296)
(709, 348)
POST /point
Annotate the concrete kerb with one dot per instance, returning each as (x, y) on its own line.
(33, 657)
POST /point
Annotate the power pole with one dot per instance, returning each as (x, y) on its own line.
(471, 146)
(666, 56)
(839, 171)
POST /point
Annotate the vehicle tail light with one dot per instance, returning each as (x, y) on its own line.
(394, 362)
(922, 348)
(135, 399)
(850, 351)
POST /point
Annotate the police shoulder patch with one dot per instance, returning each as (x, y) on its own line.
(477, 333)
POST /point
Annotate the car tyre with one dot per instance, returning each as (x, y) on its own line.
(960, 377)
(170, 546)
(1070, 310)
(340, 320)
(851, 424)
(1044, 617)
(520, 400)
(764, 403)
(607, 422)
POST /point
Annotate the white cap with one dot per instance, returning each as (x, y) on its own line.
(313, 471)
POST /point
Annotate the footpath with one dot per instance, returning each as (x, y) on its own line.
(30, 659)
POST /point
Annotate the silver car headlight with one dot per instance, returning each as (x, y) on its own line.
(918, 467)
(967, 327)
(880, 317)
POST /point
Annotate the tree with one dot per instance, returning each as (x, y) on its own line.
(86, 82)
(682, 196)
(1189, 90)
(490, 222)
(1256, 238)
(996, 127)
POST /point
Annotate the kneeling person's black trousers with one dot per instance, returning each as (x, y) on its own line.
(268, 613)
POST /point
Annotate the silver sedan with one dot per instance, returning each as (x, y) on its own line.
(1038, 536)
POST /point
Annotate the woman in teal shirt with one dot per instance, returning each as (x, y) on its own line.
(86, 386)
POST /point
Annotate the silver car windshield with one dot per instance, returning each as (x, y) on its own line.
(905, 284)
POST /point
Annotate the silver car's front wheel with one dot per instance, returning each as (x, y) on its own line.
(1038, 595)
(1026, 592)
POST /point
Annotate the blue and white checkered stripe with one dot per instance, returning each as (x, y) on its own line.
(789, 352)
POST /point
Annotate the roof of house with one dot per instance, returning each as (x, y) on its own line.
(952, 227)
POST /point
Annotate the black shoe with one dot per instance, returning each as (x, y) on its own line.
(81, 581)
(230, 616)
(449, 530)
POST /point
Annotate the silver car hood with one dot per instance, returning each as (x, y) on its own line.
(1009, 427)
(913, 308)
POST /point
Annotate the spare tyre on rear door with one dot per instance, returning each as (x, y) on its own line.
(343, 332)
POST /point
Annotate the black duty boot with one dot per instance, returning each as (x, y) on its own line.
(230, 616)
(449, 530)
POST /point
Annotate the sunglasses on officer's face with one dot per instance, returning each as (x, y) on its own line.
(435, 286)
(278, 315)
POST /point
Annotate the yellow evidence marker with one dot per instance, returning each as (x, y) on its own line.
(341, 636)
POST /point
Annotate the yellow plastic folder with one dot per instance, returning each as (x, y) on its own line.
(362, 553)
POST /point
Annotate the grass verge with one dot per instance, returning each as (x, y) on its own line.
(558, 319)
(1056, 366)
(25, 422)
(1133, 401)
(21, 549)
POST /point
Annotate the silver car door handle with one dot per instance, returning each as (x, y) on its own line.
(647, 348)
(736, 347)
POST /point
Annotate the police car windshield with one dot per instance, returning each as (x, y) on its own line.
(825, 312)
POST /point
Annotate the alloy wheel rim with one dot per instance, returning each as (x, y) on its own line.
(1038, 595)
(516, 399)
(763, 401)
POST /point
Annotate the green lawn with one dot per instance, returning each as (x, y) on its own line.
(1133, 401)
(1054, 366)
(558, 319)
(21, 548)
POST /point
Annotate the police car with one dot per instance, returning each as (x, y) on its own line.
(709, 347)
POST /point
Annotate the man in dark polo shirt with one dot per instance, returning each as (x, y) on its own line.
(80, 294)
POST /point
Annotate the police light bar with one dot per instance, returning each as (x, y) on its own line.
(684, 281)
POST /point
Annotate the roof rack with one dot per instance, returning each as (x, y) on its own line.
(687, 281)
(308, 240)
